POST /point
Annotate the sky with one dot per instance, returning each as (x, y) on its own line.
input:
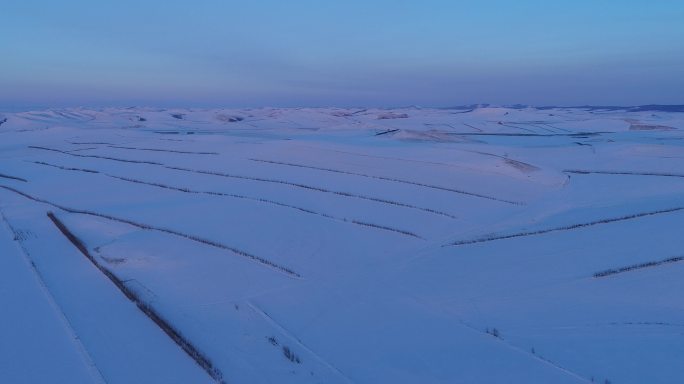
(209, 53)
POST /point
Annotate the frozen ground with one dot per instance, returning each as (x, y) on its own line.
(485, 245)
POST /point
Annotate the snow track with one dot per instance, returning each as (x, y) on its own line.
(91, 367)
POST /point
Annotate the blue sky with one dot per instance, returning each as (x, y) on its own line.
(341, 53)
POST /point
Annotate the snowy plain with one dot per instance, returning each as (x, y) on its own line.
(463, 245)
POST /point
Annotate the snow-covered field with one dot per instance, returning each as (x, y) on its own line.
(484, 245)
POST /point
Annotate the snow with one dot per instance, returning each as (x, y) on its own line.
(38, 344)
(343, 246)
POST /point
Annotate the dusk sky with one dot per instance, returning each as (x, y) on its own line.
(340, 53)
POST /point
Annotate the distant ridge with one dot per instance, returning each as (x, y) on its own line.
(462, 108)
(637, 108)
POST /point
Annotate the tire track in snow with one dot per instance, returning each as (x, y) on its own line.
(256, 199)
(257, 259)
(424, 185)
(534, 356)
(290, 335)
(259, 179)
(505, 343)
(144, 307)
(94, 371)
(566, 228)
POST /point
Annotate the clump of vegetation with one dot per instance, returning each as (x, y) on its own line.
(287, 352)
(229, 118)
(290, 355)
(494, 332)
(392, 115)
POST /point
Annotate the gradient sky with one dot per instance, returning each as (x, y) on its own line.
(340, 53)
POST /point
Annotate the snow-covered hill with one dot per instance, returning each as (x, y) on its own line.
(482, 245)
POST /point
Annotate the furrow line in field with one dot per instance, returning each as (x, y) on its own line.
(566, 228)
(384, 228)
(88, 143)
(65, 168)
(3, 176)
(634, 267)
(587, 172)
(146, 308)
(163, 150)
(261, 179)
(236, 196)
(267, 201)
(386, 179)
(260, 260)
(81, 149)
(511, 125)
(513, 134)
(96, 156)
(314, 188)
